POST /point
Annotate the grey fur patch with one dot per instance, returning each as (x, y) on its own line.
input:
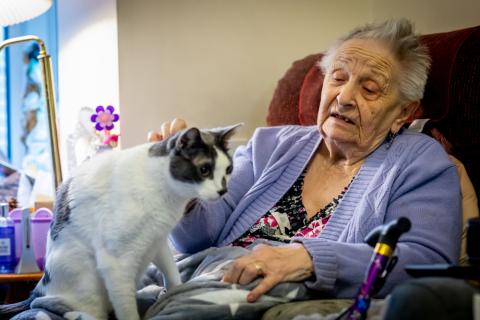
(192, 152)
(163, 148)
(46, 279)
(61, 210)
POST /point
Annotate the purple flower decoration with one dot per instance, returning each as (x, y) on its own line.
(104, 118)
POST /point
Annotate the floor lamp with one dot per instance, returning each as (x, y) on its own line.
(16, 11)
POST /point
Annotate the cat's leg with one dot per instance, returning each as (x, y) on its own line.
(119, 275)
(165, 262)
(72, 278)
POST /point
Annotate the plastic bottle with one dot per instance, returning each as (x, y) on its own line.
(40, 223)
(7, 241)
(16, 216)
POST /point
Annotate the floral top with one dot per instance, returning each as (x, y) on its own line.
(288, 218)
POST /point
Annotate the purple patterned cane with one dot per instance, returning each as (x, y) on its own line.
(382, 262)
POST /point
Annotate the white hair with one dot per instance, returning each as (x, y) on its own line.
(405, 45)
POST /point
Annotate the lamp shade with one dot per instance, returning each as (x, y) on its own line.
(16, 11)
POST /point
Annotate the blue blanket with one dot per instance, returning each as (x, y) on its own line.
(201, 296)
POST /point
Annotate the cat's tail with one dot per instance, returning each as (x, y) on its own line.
(7, 311)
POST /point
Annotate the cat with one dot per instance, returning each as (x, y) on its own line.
(113, 216)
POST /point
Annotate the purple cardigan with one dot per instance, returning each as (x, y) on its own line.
(413, 178)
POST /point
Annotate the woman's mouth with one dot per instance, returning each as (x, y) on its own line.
(341, 117)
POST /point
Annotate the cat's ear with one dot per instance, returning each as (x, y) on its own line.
(179, 141)
(160, 148)
(223, 135)
(188, 138)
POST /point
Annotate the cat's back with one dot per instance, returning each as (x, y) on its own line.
(106, 175)
(102, 184)
(103, 166)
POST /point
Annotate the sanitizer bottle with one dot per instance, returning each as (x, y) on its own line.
(7, 241)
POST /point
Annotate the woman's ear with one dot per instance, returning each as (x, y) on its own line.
(408, 110)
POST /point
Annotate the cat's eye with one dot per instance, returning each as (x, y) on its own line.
(205, 170)
(229, 169)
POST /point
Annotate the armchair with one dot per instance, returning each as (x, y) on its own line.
(451, 101)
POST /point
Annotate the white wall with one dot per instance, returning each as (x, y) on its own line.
(212, 62)
(216, 62)
(430, 16)
(87, 60)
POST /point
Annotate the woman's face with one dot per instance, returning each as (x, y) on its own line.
(360, 100)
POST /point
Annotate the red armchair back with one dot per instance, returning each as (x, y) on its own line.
(451, 100)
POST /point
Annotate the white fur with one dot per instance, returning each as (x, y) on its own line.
(123, 205)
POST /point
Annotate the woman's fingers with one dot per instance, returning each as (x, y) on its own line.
(274, 264)
(167, 129)
(251, 272)
(154, 136)
(177, 125)
(263, 287)
(245, 269)
(234, 272)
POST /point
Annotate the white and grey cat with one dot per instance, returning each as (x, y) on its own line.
(112, 218)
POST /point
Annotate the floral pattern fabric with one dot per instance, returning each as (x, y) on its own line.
(288, 218)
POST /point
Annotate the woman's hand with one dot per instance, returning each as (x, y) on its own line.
(167, 129)
(275, 264)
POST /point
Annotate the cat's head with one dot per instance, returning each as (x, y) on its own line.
(199, 160)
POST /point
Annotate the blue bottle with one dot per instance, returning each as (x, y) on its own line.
(7, 241)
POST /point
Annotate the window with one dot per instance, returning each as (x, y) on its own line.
(3, 102)
(24, 127)
(22, 97)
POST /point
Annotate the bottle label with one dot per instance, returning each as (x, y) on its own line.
(5, 249)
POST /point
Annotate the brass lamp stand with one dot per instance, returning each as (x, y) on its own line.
(46, 62)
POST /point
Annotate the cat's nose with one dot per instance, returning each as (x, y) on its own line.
(222, 192)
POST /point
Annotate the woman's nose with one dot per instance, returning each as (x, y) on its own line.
(346, 96)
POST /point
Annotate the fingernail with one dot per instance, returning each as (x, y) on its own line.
(251, 298)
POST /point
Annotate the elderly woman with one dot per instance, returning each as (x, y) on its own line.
(321, 189)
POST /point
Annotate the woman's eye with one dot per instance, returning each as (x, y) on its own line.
(371, 90)
(339, 76)
(371, 87)
(205, 170)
